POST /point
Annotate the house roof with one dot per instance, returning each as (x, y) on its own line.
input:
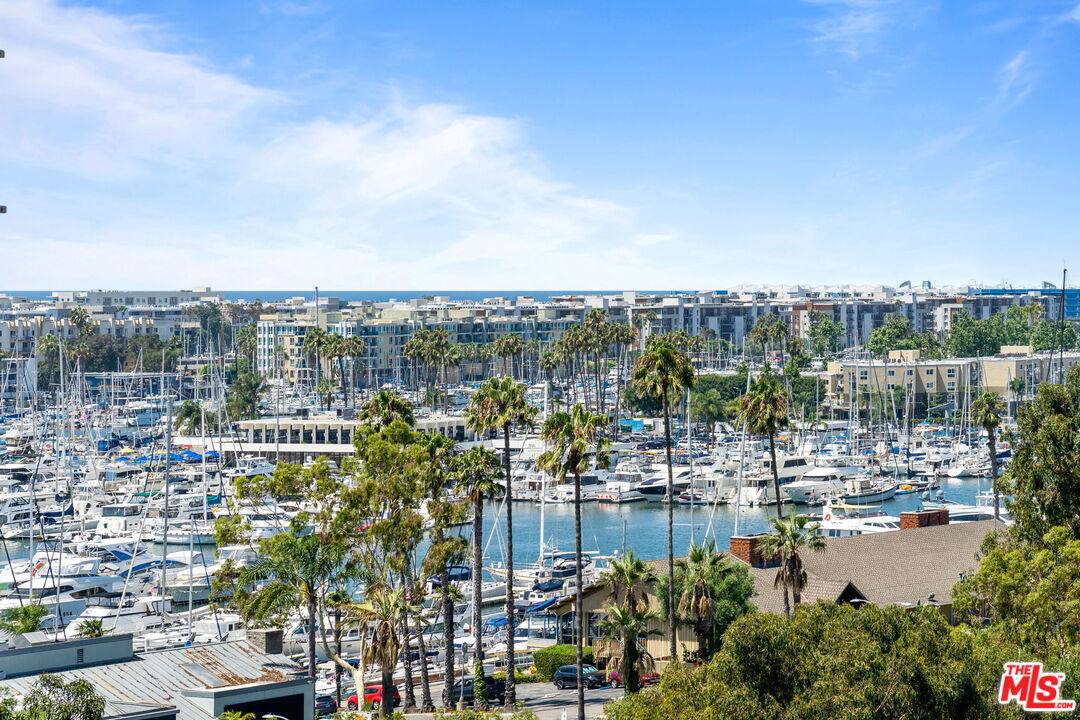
(157, 679)
(886, 568)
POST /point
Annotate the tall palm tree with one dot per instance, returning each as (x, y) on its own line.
(663, 373)
(785, 543)
(355, 348)
(304, 569)
(765, 410)
(80, 320)
(501, 403)
(335, 350)
(623, 578)
(697, 577)
(315, 344)
(986, 411)
(385, 407)
(575, 436)
(388, 610)
(326, 388)
(628, 616)
(622, 644)
(477, 469)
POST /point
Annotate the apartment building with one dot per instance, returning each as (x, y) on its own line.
(849, 380)
(138, 298)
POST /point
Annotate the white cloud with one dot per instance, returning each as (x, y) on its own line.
(154, 168)
(652, 239)
(1015, 79)
(1074, 15)
(853, 27)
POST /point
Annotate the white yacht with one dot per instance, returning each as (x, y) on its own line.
(821, 483)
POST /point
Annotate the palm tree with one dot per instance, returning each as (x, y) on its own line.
(243, 402)
(80, 320)
(478, 470)
(355, 348)
(501, 403)
(93, 628)
(622, 644)
(664, 374)
(304, 569)
(326, 388)
(575, 435)
(986, 411)
(386, 407)
(627, 616)
(765, 410)
(698, 578)
(388, 608)
(624, 576)
(315, 343)
(23, 619)
(788, 538)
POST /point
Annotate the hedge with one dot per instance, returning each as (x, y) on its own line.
(548, 660)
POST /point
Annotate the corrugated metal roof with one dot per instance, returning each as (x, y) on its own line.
(159, 677)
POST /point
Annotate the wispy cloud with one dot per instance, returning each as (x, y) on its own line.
(646, 240)
(854, 27)
(1074, 15)
(1015, 79)
(128, 150)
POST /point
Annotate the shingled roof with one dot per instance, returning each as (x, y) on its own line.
(886, 568)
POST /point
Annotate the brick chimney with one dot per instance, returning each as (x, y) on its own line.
(266, 640)
(746, 548)
(923, 518)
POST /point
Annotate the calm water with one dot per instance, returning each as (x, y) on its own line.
(643, 526)
(608, 529)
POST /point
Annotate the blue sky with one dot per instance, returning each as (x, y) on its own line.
(500, 145)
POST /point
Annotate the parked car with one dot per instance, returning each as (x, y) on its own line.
(495, 689)
(325, 705)
(373, 695)
(566, 677)
(615, 680)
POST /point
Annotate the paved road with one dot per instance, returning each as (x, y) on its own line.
(549, 703)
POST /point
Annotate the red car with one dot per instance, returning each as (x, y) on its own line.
(373, 695)
(645, 678)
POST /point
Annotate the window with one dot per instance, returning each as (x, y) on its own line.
(929, 386)
(950, 385)
(951, 372)
(930, 372)
(892, 373)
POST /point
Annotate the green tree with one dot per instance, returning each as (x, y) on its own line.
(23, 619)
(80, 320)
(765, 411)
(711, 592)
(624, 631)
(92, 628)
(831, 661)
(1042, 483)
(1029, 593)
(625, 579)
(501, 404)
(986, 411)
(1053, 335)
(244, 397)
(315, 343)
(574, 436)
(386, 407)
(478, 470)
(790, 536)
(51, 698)
(388, 606)
(824, 334)
(664, 373)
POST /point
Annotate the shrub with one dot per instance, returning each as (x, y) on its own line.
(550, 659)
(521, 676)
